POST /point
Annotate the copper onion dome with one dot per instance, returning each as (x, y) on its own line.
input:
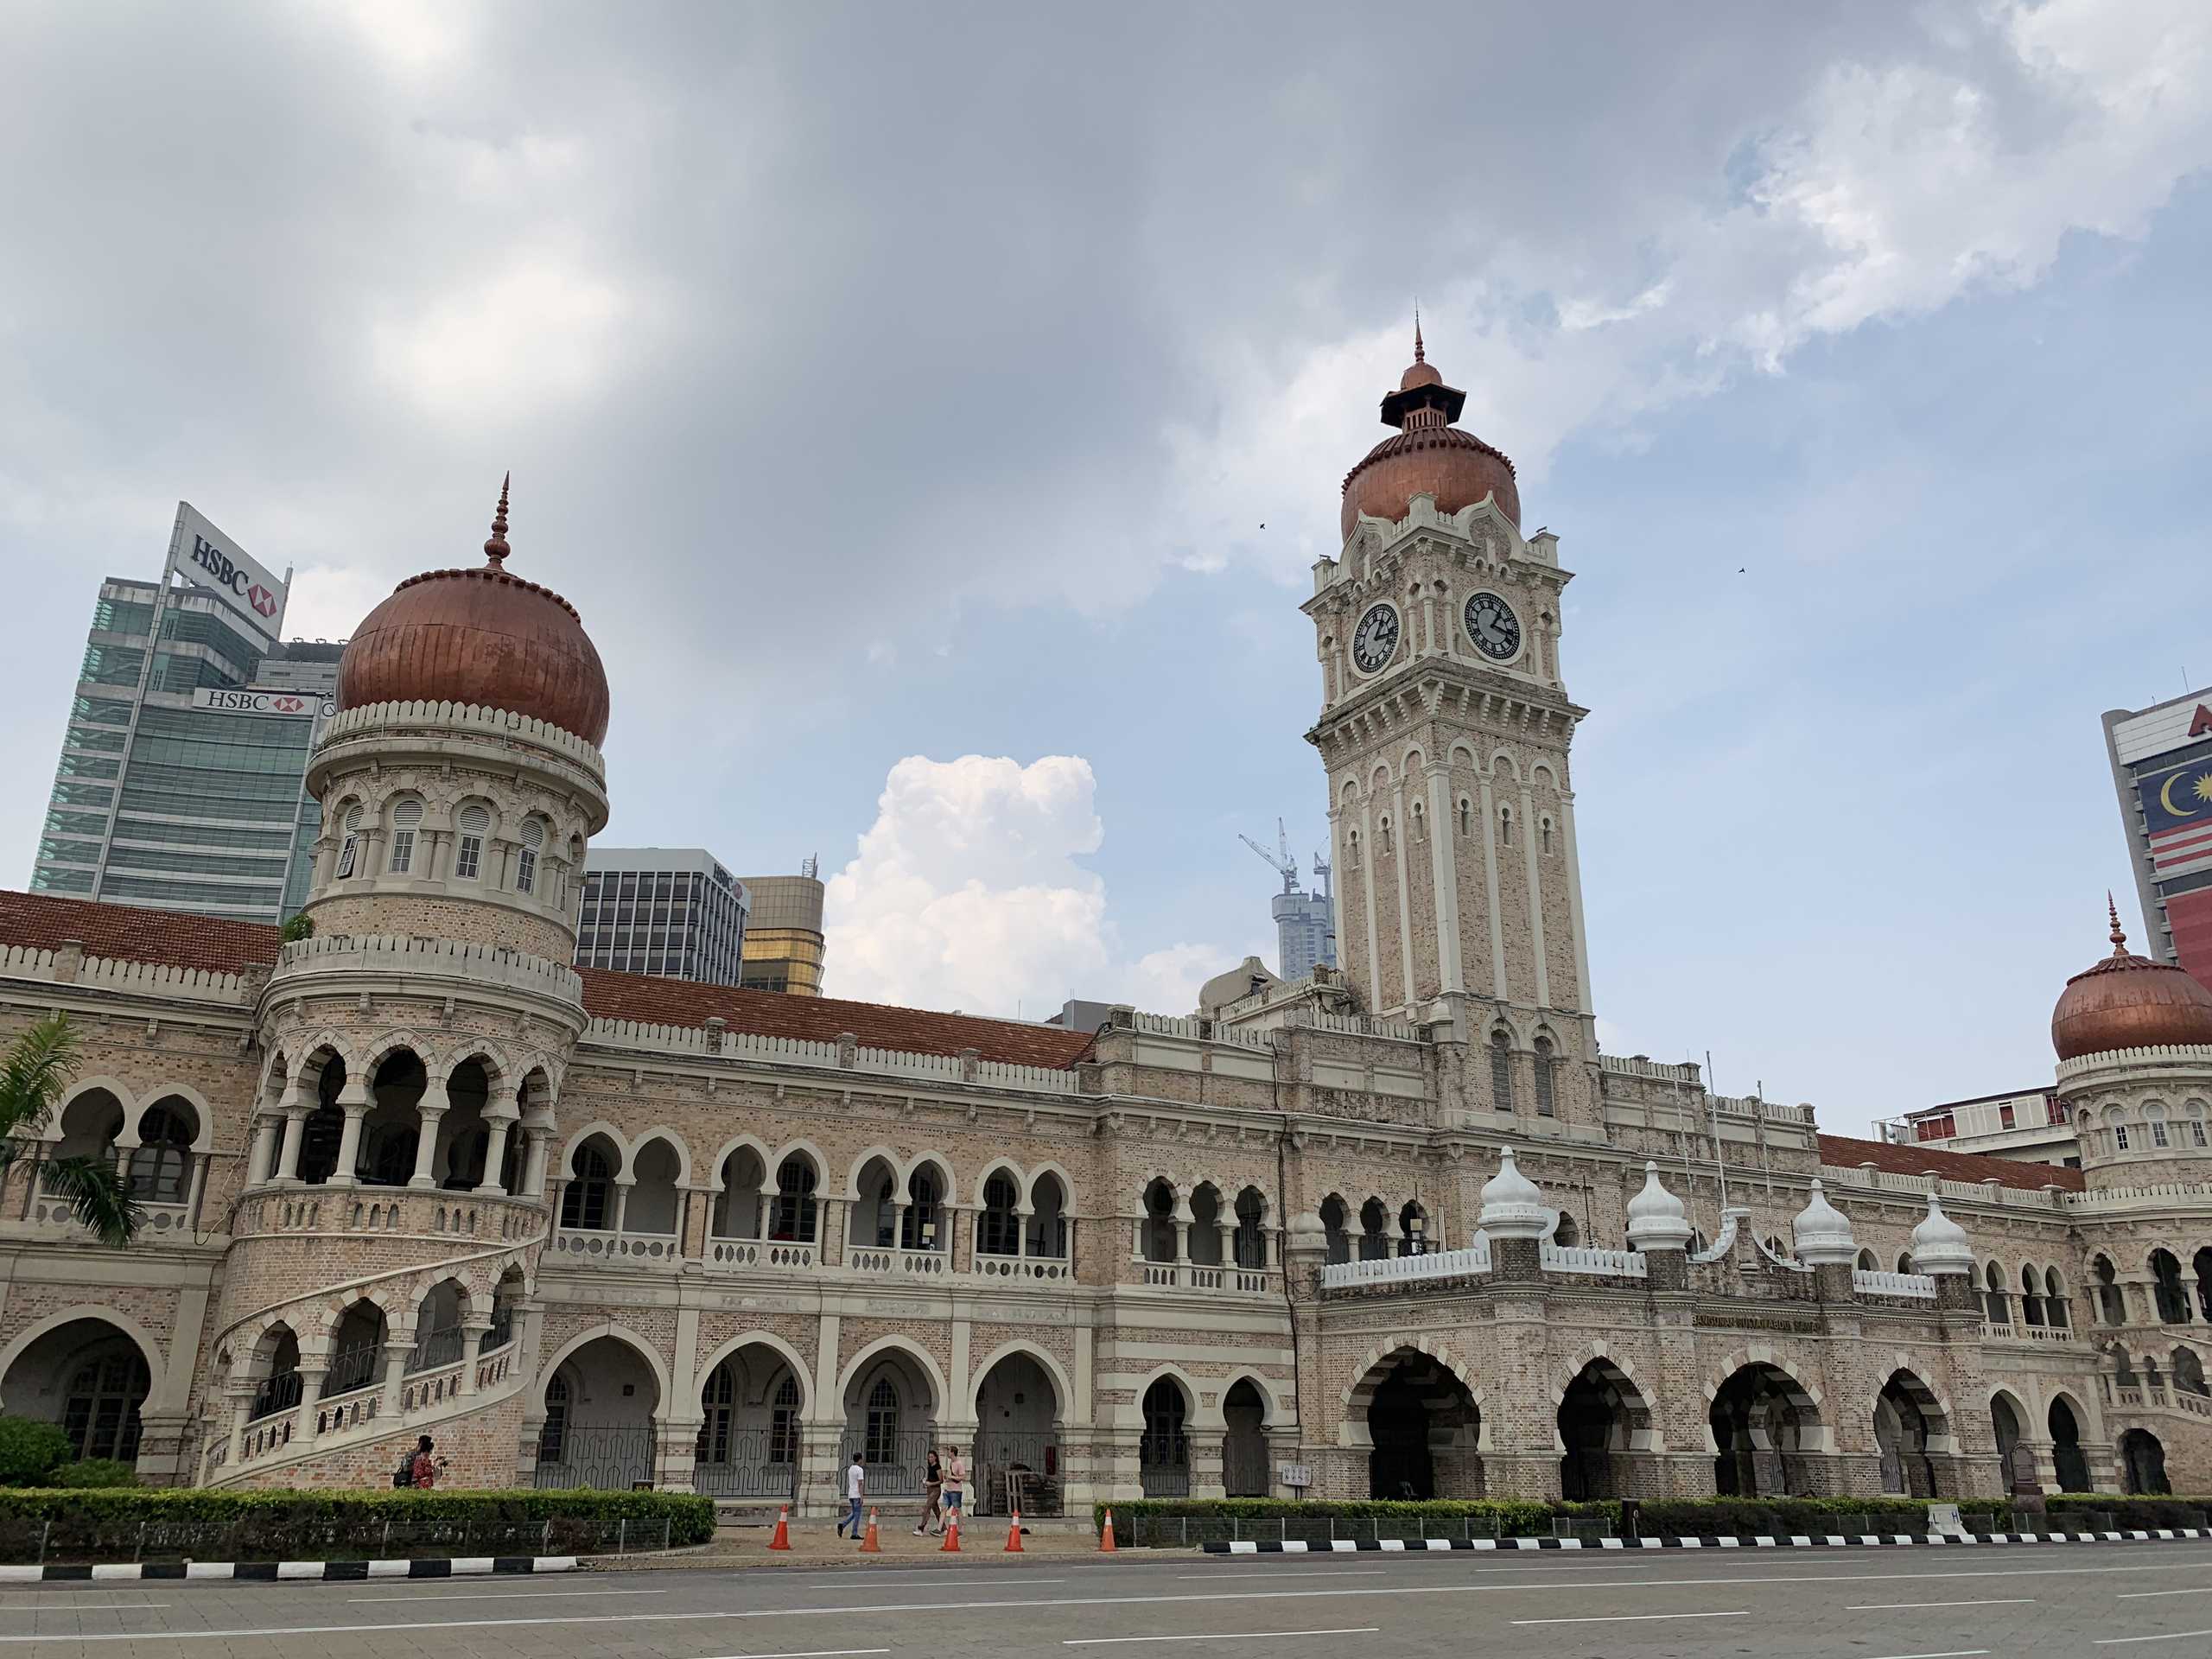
(1428, 455)
(481, 637)
(2129, 1002)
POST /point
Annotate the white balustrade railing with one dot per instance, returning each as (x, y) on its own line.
(1867, 1283)
(1021, 1266)
(770, 1252)
(1576, 1258)
(616, 1247)
(1386, 1270)
(900, 1263)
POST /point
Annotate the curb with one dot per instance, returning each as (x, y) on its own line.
(1799, 1540)
(454, 1567)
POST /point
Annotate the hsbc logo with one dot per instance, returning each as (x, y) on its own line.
(246, 701)
(216, 563)
(244, 585)
(261, 600)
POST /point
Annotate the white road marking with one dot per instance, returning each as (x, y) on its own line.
(1296, 1571)
(811, 1653)
(1632, 1618)
(2175, 1636)
(2140, 1595)
(89, 1607)
(843, 1610)
(1952, 1653)
(1893, 1606)
(509, 1595)
(1219, 1636)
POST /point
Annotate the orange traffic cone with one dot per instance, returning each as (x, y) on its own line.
(870, 1545)
(951, 1544)
(783, 1538)
(1106, 1535)
(1013, 1536)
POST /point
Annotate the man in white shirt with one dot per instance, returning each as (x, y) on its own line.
(855, 1487)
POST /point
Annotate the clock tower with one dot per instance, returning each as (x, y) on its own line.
(1444, 727)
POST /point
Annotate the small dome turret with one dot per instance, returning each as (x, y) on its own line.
(1427, 455)
(1513, 1207)
(1823, 1233)
(1938, 1244)
(2129, 1002)
(1657, 1219)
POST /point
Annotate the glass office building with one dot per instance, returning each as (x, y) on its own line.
(783, 945)
(671, 911)
(182, 781)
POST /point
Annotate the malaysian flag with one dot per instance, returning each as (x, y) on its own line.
(2176, 804)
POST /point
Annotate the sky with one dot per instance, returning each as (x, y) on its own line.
(936, 411)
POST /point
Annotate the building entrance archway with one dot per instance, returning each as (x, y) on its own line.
(1600, 1417)
(1908, 1424)
(1164, 1454)
(600, 1404)
(890, 1423)
(90, 1377)
(1424, 1431)
(1244, 1445)
(1763, 1421)
(750, 1409)
(1017, 1461)
(2066, 1449)
(2143, 1463)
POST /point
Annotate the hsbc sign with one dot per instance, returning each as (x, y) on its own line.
(250, 701)
(210, 560)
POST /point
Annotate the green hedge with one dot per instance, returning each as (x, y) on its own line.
(111, 1524)
(1199, 1519)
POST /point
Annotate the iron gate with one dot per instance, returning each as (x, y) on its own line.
(1164, 1465)
(1010, 1469)
(894, 1463)
(747, 1463)
(600, 1459)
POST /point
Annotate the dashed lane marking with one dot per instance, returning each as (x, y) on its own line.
(508, 1595)
(2170, 1636)
(1217, 1635)
(1633, 1618)
(1895, 1606)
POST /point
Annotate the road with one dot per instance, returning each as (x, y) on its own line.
(1952, 1603)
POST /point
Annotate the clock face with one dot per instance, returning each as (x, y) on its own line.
(1493, 627)
(1374, 642)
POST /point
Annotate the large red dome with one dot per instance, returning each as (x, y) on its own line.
(2129, 1002)
(1427, 455)
(481, 637)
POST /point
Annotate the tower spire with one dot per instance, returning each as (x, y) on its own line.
(1420, 354)
(496, 549)
(2119, 938)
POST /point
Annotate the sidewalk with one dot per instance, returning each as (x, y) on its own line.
(814, 1544)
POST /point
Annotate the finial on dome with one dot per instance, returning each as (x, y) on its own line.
(1421, 355)
(2119, 935)
(496, 549)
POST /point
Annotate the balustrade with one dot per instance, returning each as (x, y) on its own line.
(769, 1253)
(1021, 1266)
(1867, 1283)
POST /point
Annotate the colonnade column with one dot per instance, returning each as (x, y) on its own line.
(432, 1109)
(353, 1101)
(495, 1158)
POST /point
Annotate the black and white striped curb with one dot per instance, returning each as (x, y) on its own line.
(456, 1567)
(1797, 1541)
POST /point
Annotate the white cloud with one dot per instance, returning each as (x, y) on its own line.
(966, 894)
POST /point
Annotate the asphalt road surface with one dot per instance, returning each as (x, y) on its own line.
(2112, 1600)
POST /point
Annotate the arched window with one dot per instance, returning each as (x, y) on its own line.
(1995, 1306)
(2054, 1300)
(1374, 1236)
(1505, 825)
(349, 849)
(1544, 1108)
(1547, 827)
(1467, 816)
(161, 1167)
(533, 837)
(554, 1436)
(1160, 1223)
(406, 825)
(1868, 1263)
(794, 1216)
(2031, 1297)
(470, 829)
(1568, 1235)
(783, 1422)
(881, 1444)
(2111, 1307)
(920, 1227)
(1421, 824)
(998, 1229)
(1501, 1071)
(1333, 1228)
(1384, 830)
(1251, 1235)
(100, 1412)
(585, 1202)
(1412, 1230)
(2157, 1113)
(2166, 1291)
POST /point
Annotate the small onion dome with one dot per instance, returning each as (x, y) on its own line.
(1938, 1244)
(1306, 1233)
(1657, 1220)
(481, 637)
(1512, 1206)
(1427, 455)
(2129, 1002)
(1824, 1234)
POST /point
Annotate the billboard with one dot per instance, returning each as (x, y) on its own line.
(248, 700)
(210, 560)
(2157, 731)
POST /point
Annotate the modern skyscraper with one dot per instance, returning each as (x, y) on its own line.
(181, 782)
(671, 911)
(2162, 770)
(783, 945)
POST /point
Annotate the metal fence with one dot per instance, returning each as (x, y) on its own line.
(26, 1540)
(612, 1459)
(894, 1463)
(1164, 1466)
(279, 1392)
(1014, 1471)
(747, 1463)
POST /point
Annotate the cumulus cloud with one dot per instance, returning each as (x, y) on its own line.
(966, 894)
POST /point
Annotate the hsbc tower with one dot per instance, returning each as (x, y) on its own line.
(2162, 769)
(182, 781)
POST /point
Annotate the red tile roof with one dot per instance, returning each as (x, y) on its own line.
(821, 1020)
(125, 933)
(1846, 1152)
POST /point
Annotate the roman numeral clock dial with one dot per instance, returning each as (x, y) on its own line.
(1374, 642)
(1493, 627)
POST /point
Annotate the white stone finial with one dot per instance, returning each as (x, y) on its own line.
(1938, 1244)
(1823, 1233)
(1512, 1206)
(1657, 1220)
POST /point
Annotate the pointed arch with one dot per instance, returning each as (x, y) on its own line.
(621, 1333)
(676, 1144)
(154, 1353)
(729, 1148)
(1063, 1388)
(800, 1369)
(907, 1346)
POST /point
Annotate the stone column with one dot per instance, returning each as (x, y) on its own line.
(311, 1376)
(266, 1128)
(397, 1346)
(239, 1392)
(287, 1158)
(353, 1101)
(472, 1349)
(495, 1158)
(622, 1187)
(432, 1112)
(533, 1174)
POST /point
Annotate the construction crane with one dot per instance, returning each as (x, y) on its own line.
(1321, 874)
(1280, 860)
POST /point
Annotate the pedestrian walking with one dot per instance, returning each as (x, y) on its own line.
(955, 1486)
(932, 1485)
(426, 1464)
(856, 1489)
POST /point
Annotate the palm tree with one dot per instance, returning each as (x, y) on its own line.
(34, 1069)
